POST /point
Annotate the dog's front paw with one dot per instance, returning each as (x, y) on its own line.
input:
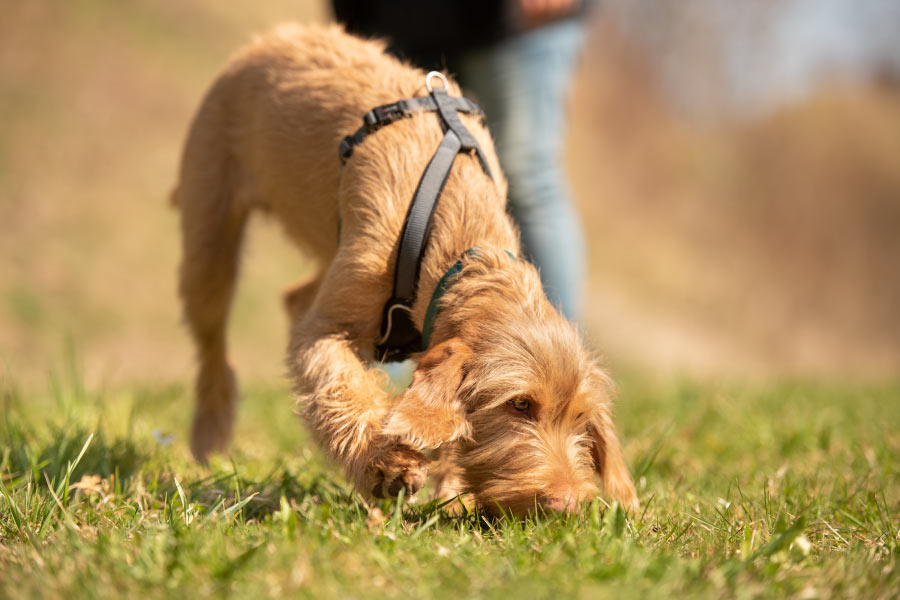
(396, 468)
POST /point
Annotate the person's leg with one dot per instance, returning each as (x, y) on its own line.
(522, 84)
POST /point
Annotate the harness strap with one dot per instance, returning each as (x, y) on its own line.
(447, 109)
(399, 335)
(420, 214)
(386, 114)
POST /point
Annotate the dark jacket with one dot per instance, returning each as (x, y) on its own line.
(432, 32)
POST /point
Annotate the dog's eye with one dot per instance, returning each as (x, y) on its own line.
(520, 404)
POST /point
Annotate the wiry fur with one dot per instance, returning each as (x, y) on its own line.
(266, 138)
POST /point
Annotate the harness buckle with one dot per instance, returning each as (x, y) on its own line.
(404, 108)
(380, 116)
(399, 336)
(371, 120)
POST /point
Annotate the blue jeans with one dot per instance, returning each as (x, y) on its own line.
(522, 84)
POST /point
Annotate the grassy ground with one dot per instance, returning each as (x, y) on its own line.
(787, 489)
(767, 489)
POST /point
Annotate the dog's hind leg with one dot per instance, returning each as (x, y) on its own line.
(212, 225)
(212, 241)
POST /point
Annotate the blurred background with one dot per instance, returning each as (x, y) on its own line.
(737, 166)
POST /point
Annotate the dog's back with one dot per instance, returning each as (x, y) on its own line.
(259, 135)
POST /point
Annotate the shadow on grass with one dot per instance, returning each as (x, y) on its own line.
(26, 458)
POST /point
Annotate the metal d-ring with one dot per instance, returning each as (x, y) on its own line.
(435, 74)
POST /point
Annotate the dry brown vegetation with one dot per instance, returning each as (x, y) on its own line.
(96, 99)
(752, 246)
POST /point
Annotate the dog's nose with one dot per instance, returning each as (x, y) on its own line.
(561, 504)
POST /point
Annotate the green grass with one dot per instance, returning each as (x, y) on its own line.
(780, 489)
(776, 489)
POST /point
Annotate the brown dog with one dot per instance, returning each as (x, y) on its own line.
(506, 392)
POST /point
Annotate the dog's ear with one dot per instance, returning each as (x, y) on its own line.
(607, 455)
(429, 413)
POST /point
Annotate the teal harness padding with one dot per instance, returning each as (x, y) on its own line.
(433, 307)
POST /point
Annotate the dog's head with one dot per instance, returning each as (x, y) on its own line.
(528, 413)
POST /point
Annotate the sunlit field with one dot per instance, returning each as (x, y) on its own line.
(788, 489)
(743, 291)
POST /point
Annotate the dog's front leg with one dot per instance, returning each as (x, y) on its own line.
(345, 404)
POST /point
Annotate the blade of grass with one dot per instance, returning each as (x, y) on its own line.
(70, 468)
(184, 503)
(650, 456)
(426, 525)
(59, 504)
(19, 518)
(782, 540)
(237, 506)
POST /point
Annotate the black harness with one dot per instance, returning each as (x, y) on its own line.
(399, 336)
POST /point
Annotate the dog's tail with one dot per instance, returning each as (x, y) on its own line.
(212, 226)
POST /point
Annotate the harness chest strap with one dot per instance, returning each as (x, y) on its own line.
(431, 312)
(434, 306)
(399, 336)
